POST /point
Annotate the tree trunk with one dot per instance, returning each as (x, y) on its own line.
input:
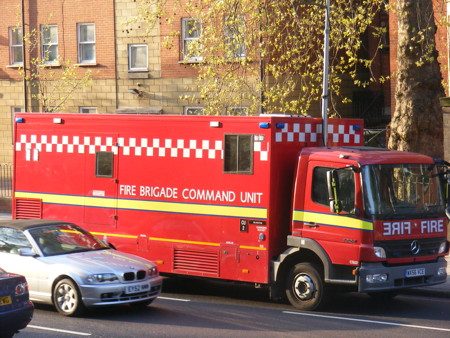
(417, 124)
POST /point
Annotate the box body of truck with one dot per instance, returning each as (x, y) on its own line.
(210, 196)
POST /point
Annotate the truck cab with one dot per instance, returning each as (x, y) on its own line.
(367, 218)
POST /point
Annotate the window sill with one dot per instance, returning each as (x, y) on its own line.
(187, 62)
(49, 65)
(16, 66)
(134, 74)
(87, 64)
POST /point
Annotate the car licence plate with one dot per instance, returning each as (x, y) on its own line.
(136, 288)
(5, 300)
(415, 272)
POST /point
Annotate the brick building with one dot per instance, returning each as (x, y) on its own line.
(131, 69)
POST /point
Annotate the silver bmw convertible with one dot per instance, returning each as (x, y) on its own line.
(72, 269)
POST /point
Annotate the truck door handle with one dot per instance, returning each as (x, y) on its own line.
(311, 225)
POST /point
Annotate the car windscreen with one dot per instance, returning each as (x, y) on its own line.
(64, 239)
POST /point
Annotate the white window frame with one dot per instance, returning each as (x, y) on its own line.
(188, 39)
(88, 110)
(132, 68)
(45, 45)
(85, 43)
(232, 39)
(193, 110)
(14, 110)
(237, 111)
(14, 47)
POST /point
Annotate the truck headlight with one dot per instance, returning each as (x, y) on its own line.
(443, 247)
(102, 278)
(377, 278)
(379, 252)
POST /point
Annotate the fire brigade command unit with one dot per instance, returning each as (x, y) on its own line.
(249, 199)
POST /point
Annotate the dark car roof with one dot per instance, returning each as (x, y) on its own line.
(24, 224)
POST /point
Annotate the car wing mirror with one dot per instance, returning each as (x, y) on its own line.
(27, 252)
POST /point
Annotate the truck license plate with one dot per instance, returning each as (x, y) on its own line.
(136, 288)
(415, 272)
(5, 300)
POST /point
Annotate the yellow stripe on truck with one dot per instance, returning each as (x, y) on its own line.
(170, 207)
(343, 221)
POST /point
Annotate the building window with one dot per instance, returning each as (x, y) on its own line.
(238, 154)
(191, 31)
(86, 43)
(138, 57)
(234, 36)
(49, 39)
(193, 111)
(237, 111)
(15, 46)
(17, 110)
(88, 110)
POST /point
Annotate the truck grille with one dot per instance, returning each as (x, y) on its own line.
(404, 248)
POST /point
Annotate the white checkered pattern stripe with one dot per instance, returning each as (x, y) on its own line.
(312, 133)
(66, 144)
(156, 147)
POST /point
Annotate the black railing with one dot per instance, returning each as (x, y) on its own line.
(5, 179)
(368, 105)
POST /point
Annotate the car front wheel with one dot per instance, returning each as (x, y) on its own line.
(67, 298)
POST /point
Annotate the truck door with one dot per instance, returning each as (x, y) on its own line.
(318, 222)
(101, 180)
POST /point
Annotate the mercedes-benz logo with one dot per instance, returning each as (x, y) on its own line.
(415, 247)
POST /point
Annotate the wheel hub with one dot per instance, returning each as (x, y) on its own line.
(304, 287)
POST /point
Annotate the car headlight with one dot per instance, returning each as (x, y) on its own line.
(152, 272)
(379, 252)
(102, 278)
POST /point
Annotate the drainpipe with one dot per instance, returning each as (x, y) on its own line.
(24, 60)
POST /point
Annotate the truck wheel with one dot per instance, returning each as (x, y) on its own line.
(305, 288)
(67, 298)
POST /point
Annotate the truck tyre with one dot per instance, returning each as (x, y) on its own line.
(67, 298)
(305, 288)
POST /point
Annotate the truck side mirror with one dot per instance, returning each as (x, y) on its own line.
(332, 185)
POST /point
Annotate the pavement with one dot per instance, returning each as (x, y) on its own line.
(441, 290)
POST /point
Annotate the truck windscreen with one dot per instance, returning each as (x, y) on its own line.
(402, 191)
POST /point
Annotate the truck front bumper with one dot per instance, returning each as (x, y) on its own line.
(375, 277)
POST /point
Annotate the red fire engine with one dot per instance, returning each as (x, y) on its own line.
(250, 199)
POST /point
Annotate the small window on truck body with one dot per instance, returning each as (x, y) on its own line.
(238, 154)
(104, 164)
(346, 188)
